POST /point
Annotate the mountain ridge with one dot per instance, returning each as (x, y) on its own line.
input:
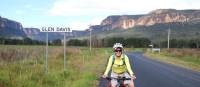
(151, 18)
(10, 28)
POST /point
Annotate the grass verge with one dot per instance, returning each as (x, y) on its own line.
(25, 68)
(178, 57)
(135, 49)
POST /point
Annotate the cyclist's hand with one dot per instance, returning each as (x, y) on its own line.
(104, 76)
(133, 77)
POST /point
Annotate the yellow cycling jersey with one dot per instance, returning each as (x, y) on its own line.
(118, 66)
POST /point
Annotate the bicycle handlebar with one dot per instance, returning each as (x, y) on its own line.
(118, 78)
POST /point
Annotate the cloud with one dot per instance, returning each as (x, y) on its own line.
(99, 9)
(82, 25)
(105, 7)
(27, 6)
(19, 12)
(78, 25)
(96, 21)
(87, 7)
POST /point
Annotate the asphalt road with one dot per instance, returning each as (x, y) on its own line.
(151, 73)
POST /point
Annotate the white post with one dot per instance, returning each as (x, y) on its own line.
(169, 31)
(90, 38)
(151, 47)
(64, 51)
(46, 61)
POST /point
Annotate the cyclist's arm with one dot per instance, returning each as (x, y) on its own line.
(128, 66)
(108, 66)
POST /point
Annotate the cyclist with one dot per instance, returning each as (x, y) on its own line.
(120, 65)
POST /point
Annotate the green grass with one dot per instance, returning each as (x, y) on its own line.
(83, 68)
(177, 57)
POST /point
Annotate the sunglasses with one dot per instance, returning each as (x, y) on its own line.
(118, 50)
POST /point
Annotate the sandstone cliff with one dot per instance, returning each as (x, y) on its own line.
(10, 28)
(154, 17)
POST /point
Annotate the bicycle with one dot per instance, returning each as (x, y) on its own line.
(120, 81)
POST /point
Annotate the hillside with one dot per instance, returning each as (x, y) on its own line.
(14, 30)
(184, 24)
(10, 28)
(154, 17)
(155, 33)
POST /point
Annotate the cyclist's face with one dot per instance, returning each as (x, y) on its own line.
(118, 52)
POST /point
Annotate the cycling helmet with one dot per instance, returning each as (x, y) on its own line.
(117, 45)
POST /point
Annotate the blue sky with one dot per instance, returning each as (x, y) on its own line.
(79, 14)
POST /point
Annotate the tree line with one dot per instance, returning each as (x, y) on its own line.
(108, 42)
(28, 41)
(24, 41)
(136, 42)
(179, 43)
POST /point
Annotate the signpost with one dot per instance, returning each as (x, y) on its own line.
(168, 38)
(55, 29)
(46, 59)
(90, 29)
(64, 51)
(151, 45)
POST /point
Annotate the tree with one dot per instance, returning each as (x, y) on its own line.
(57, 42)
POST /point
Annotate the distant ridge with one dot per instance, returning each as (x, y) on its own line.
(184, 21)
(153, 17)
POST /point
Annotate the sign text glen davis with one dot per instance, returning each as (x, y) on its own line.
(55, 29)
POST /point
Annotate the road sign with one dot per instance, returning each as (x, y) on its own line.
(55, 29)
(151, 45)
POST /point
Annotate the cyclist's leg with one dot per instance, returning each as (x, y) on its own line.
(129, 82)
(109, 84)
(114, 81)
